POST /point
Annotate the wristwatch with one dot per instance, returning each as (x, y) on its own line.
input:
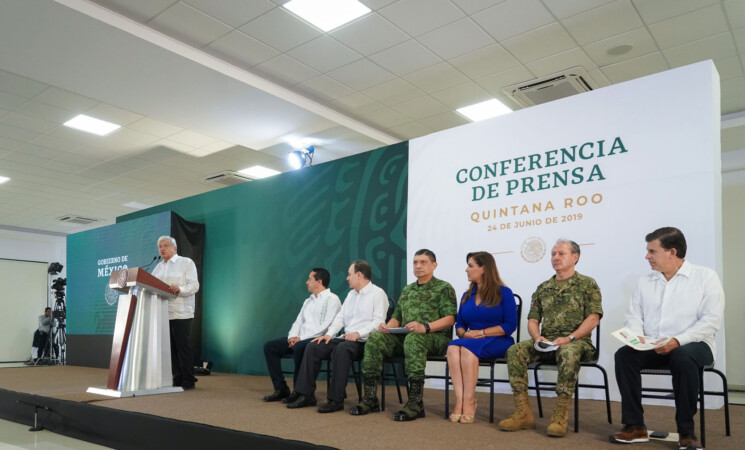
(572, 338)
(426, 328)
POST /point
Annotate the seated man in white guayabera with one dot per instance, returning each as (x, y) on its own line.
(312, 321)
(680, 301)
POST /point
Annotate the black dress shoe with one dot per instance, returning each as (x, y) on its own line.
(292, 397)
(187, 386)
(331, 406)
(302, 402)
(280, 394)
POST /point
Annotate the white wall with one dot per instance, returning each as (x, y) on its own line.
(733, 224)
(27, 246)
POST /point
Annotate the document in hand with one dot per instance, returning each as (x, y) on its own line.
(648, 343)
(544, 346)
(401, 330)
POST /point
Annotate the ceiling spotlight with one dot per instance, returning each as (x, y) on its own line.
(301, 158)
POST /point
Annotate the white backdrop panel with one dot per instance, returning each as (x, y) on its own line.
(664, 170)
(23, 297)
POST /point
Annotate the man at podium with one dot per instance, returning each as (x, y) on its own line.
(180, 273)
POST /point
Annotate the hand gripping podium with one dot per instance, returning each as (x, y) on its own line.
(141, 351)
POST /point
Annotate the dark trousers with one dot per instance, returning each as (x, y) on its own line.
(685, 364)
(341, 354)
(274, 351)
(40, 342)
(182, 358)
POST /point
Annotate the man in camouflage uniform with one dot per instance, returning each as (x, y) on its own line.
(427, 309)
(569, 305)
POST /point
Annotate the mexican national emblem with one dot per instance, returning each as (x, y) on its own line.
(122, 279)
(111, 296)
(533, 249)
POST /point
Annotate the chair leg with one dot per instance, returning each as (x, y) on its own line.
(607, 393)
(576, 407)
(491, 396)
(447, 391)
(702, 410)
(725, 394)
(398, 386)
(726, 402)
(538, 391)
(382, 389)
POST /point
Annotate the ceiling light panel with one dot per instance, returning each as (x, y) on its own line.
(327, 14)
(484, 110)
(92, 125)
(257, 172)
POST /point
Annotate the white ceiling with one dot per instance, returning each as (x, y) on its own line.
(202, 86)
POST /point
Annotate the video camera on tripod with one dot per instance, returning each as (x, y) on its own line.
(58, 339)
(59, 311)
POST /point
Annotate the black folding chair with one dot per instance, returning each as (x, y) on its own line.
(702, 392)
(550, 385)
(489, 362)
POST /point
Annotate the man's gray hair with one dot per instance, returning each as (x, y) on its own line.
(573, 245)
(167, 238)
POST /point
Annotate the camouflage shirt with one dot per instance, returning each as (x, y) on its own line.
(563, 306)
(426, 303)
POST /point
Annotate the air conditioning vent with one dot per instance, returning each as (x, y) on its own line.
(77, 220)
(550, 88)
(228, 178)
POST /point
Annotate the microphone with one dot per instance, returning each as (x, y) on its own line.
(155, 258)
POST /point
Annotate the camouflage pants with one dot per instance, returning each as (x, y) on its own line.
(567, 358)
(414, 346)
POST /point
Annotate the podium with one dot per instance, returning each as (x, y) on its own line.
(140, 361)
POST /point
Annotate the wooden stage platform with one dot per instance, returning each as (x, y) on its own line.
(226, 411)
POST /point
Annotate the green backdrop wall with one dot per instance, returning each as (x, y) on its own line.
(264, 237)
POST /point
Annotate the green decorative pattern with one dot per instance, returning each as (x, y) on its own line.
(264, 237)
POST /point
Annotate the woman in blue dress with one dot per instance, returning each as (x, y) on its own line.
(487, 317)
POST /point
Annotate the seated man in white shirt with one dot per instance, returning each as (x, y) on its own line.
(679, 301)
(180, 273)
(313, 321)
(364, 308)
(39, 346)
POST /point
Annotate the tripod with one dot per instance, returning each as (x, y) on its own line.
(57, 338)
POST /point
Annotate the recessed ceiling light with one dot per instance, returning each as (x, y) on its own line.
(484, 110)
(137, 205)
(4, 179)
(619, 49)
(258, 172)
(91, 125)
(327, 14)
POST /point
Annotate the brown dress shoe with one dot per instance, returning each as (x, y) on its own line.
(688, 442)
(630, 434)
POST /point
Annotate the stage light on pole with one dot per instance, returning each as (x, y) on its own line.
(301, 158)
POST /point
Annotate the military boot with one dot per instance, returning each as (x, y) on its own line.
(560, 417)
(369, 401)
(522, 418)
(414, 407)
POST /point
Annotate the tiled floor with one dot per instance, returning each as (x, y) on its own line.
(16, 436)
